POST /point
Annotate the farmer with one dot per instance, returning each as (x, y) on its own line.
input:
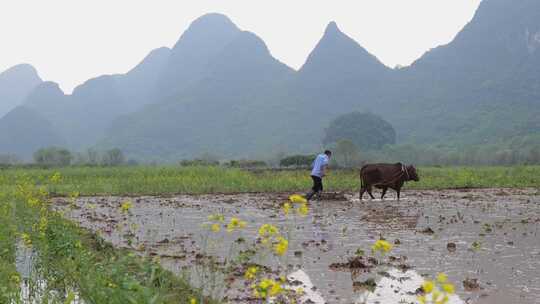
(320, 164)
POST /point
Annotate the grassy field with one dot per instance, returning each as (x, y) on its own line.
(175, 180)
(70, 262)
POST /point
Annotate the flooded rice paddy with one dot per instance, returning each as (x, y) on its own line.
(486, 241)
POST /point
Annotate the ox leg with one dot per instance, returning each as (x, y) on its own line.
(369, 192)
(398, 190)
(383, 192)
(362, 190)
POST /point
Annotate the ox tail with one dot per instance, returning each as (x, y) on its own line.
(362, 178)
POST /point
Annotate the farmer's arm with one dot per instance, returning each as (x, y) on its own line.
(323, 170)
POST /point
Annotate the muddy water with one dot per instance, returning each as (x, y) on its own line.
(434, 231)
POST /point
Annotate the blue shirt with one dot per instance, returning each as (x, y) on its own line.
(318, 164)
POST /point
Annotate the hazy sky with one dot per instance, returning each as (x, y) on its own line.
(70, 41)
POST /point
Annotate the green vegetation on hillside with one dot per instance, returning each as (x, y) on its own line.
(220, 90)
(365, 130)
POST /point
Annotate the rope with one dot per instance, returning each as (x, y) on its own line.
(403, 168)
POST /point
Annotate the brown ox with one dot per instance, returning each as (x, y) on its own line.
(384, 176)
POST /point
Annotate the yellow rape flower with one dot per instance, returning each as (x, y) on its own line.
(268, 230)
(43, 191)
(428, 286)
(16, 279)
(438, 291)
(280, 248)
(298, 199)
(33, 202)
(251, 273)
(448, 288)
(26, 239)
(56, 178)
(216, 218)
(267, 288)
(192, 301)
(235, 223)
(275, 290)
(286, 208)
(215, 227)
(382, 246)
(74, 194)
(303, 210)
(442, 278)
(126, 206)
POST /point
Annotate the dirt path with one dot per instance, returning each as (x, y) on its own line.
(488, 235)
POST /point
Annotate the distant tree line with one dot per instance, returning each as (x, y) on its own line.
(198, 162)
(243, 163)
(458, 156)
(347, 155)
(297, 160)
(61, 157)
(9, 159)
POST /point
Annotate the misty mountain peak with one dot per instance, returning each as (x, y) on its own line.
(209, 26)
(337, 53)
(24, 70)
(248, 58)
(20, 68)
(15, 84)
(212, 20)
(200, 43)
(332, 29)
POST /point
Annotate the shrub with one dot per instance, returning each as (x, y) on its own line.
(198, 162)
(246, 164)
(297, 161)
(53, 156)
(113, 157)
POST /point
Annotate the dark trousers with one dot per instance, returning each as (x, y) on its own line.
(317, 184)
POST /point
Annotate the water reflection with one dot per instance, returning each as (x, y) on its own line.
(394, 288)
(33, 288)
(398, 287)
(310, 295)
